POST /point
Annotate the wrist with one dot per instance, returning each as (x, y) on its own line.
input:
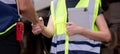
(44, 29)
(80, 30)
(37, 21)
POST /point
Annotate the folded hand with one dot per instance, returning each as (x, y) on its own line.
(39, 27)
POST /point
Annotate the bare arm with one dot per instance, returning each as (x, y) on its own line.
(27, 10)
(47, 31)
(102, 35)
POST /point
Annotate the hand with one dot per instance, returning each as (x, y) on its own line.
(39, 27)
(73, 28)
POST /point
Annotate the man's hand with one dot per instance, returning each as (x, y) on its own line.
(39, 27)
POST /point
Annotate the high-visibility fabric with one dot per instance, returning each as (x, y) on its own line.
(82, 4)
(61, 43)
(8, 15)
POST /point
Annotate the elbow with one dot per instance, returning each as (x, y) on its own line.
(108, 38)
(50, 35)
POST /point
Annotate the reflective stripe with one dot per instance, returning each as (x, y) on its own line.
(60, 19)
(87, 45)
(59, 48)
(77, 52)
(9, 1)
(91, 11)
(82, 4)
(55, 40)
(8, 15)
(73, 47)
(61, 16)
(58, 45)
(96, 6)
(53, 14)
(1, 33)
(53, 50)
(55, 5)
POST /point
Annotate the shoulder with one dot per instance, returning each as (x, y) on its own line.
(8, 1)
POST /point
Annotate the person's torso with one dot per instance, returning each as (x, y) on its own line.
(76, 46)
(11, 3)
(8, 14)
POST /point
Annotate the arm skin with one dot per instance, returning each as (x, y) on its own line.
(102, 35)
(47, 31)
(27, 10)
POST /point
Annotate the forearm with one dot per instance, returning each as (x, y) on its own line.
(27, 10)
(96, 35)
(41, 28)
(103, 34)
(47, 32)
(31, 16)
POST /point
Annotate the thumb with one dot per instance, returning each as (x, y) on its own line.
(41, 19)
(69, 24)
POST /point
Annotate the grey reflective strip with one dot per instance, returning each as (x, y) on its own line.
(9, 1)
(83, 47)
(91, 10)
(55, 2)
(76, 47)
(79, 16)
(58, 38)
(60, 47)
(73, 47)
(61, 37)
(53, 50)
(85, 19)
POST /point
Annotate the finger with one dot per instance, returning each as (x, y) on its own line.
(69, 24)
(41, 19)
(33, 25)
(36, 32)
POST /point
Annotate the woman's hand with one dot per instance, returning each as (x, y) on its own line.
(73, 28)
(39, 27)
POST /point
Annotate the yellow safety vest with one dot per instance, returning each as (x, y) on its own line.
(59, 16)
